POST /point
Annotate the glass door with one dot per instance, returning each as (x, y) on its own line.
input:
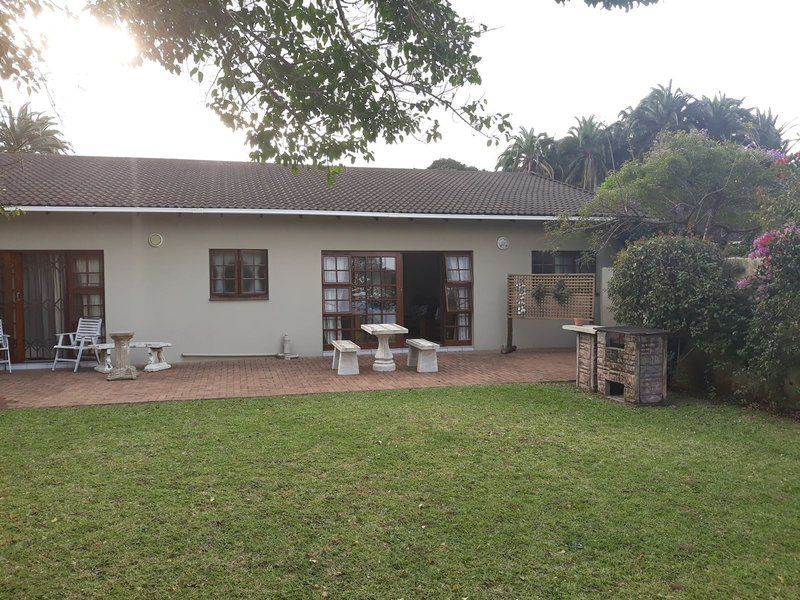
(44, 302)
(360, 288)
(11, 306)
(458, 307)
(43, 293)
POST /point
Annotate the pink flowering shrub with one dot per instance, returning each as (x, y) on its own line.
(780, 203)
(772, 347)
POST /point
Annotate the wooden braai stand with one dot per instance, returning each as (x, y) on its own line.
(632, 362)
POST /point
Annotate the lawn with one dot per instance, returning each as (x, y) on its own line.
(520, 491)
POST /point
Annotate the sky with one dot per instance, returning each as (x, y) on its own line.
(543, 62)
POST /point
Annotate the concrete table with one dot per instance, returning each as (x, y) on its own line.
(155, 356)
(384, 361)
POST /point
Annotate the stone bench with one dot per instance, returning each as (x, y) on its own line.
(422, 355)
(155, 356)
(345, 357)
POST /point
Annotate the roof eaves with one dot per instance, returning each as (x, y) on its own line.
(279, 212)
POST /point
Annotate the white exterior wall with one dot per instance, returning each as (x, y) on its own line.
(163, 293)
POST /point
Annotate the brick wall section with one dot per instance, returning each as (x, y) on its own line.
(640, 365)
(586, 377)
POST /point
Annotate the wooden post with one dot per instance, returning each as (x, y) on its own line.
(509, 347)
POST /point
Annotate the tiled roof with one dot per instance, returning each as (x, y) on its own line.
(91, 181)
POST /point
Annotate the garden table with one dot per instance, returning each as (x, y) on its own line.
(384, 361)
(155, 356)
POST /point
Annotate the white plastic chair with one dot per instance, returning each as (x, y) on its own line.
(5, 347)
(86, 337)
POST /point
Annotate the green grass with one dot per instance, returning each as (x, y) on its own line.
(519, 491)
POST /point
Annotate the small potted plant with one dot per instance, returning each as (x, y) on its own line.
(539, 293)
(561, 292)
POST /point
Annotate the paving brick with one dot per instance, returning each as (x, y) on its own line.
(274, 377)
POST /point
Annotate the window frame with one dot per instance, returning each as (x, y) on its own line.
(354, 332)
(458, 312)
(238, 294)
(573, 255)
(74, 289)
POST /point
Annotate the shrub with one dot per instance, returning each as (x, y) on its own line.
(772, 348)
(683, 285)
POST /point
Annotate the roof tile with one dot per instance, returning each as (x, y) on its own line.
(92, 181)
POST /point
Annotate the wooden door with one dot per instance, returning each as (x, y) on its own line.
(457, 304)
(43, 293)
(360, 288)
(12, 307)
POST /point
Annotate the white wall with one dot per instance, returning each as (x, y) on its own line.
(162, 293)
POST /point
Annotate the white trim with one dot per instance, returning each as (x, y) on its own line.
(273, 211)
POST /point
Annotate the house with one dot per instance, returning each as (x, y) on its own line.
(225, 258)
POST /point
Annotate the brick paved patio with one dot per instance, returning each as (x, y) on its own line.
(274, 377)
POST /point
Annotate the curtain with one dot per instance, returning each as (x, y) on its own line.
(44, 282)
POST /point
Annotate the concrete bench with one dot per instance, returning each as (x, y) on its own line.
(345, 357)
(422, 355)
(155, 356)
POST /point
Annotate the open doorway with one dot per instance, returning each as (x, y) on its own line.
(422, 283)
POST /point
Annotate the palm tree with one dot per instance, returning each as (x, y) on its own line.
(618, 144)
(723, 118)
(30, 131)
(528, 151)
(585, 151)
(763, 131)
(663, 109)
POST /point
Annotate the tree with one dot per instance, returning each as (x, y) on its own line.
(450, 164)
(528, 151)
(609, 4)
(782, 205)
(619, 149)
(763, 131)
(721, 117)
(663, 109)
(308, 82)
(584, 151)
(19, 53)
(688, 184)
(30, 131)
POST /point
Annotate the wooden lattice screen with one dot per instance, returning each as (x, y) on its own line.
(523, 305)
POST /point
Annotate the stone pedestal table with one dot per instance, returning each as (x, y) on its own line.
(122, 368)
(384, 361)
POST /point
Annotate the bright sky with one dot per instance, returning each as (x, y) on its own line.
(545, 64)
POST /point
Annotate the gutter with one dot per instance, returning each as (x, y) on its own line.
(278, 212)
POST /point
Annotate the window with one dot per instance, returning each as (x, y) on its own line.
(458, 299)
(85, 285)
(359, 288)
(573, 261)
(238, 274)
